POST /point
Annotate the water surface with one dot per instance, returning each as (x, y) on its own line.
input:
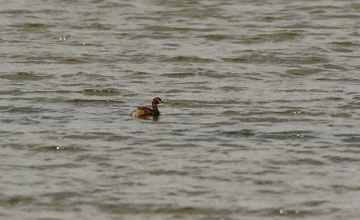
(261, 113)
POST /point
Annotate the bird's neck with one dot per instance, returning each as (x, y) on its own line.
(154, 105)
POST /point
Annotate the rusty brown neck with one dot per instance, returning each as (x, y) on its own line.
(154, 105)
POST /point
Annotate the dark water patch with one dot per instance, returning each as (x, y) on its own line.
(180, 211)
(187, 59)
(15, 92)
(218, 75)
(271, 170)
(342, 50)
(307, 152)
(179, 4)
(184, 103)
(352, 148)
(323, 8)
(71, 60)
(171, 44)
(26, 109)
(177, 29)
(273, 37)
(175, 91)
(194, 192)
(342, 79)
(16, 11)
(15, 201)
(7, 121)
(292, 90)
(31, 26)
(254, 58)
(344, 46)
(272, 18)
(268, 192)
(334, 67)
(55, 166)
(340, 159)
(102, 133)
(351, 105)
(303, 71)
(333, 98)
(61, 196)
(354, 6)
(341, 16)
(179, 75)
(23, 76)
(215, 37)
(232, 88)
(168, 172)
(314, 203)
(179, 145)
(354, 139)
(341, 115)
(309, 60)
(342, 188)
(253, 78)
(161, 36)
(117, 138)
(270, 58)
(141, 153)
(15, 146)
(120, 5)
(267, 182)
(306, 161)
(96, 26)
(236, 134)
(356, 97)
(83, 137)
(140, 75)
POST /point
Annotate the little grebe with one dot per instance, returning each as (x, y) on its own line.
(143, 111)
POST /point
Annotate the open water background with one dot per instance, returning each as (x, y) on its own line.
(260, 121)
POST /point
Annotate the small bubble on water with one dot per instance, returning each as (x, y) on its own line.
(61, 38)
(60, 148)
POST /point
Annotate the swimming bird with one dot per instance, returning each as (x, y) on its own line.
(143, 111)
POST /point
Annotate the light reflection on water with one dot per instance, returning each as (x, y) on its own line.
(260, 115)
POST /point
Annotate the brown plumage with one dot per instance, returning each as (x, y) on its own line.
(143, 111)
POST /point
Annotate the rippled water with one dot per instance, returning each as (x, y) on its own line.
(260, 121)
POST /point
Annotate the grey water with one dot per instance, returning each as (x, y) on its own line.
(260, 117)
